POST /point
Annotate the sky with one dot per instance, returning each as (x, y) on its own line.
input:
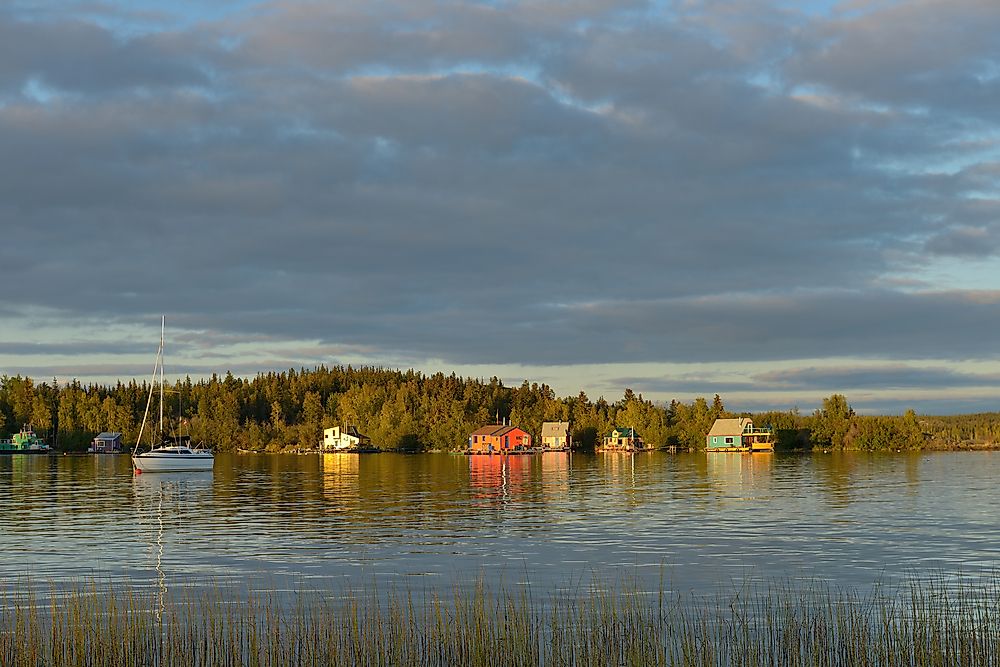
(773, 201)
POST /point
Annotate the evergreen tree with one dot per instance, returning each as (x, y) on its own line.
(416, 411)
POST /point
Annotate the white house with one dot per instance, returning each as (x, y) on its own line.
(348, 438)
(556, 435)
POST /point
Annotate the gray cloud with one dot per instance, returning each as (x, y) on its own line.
(874, 405)
(79, 57)
(928, 54)
(969, 241)
(845, 379)
(71, 347)
(686, 386)
(535, 183)
(108, 373)
(870, 388)
(884, 377)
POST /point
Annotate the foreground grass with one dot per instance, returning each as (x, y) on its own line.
(925, 623)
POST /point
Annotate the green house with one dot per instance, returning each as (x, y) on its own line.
(623, 439)
(738, 435)
(24, 442)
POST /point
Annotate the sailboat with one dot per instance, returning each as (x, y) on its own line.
(166, 457)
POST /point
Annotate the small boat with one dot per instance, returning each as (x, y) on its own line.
(174, 458)
(167, 456)
(24, 442)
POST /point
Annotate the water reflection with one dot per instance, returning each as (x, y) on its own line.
(166, 504)
(499, 478)
(340, 475)
(836, 473)
(555, 475)
(912, 471)
(620, 467)
(283, 520)
(738, 477)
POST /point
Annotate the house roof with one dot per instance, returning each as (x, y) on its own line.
(346, 430)
(496, 430)
(554, 429)
(353, 430)
(730, 426)
(622, 432)
(107, 435)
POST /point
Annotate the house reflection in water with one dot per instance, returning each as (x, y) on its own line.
(340, 475)
(741, 477)
(555, 473)
(497, 476)
(620, 466)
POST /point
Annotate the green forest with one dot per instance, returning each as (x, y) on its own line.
(411, 411)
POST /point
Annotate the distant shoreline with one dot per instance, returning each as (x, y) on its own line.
(412, 412)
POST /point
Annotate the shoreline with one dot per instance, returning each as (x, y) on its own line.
(961, 447)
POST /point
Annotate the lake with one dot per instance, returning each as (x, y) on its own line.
(694, 521)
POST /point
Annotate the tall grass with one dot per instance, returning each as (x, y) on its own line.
(923, 623)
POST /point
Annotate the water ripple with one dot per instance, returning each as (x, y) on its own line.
(277, 520)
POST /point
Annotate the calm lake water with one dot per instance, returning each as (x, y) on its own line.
(701, 522)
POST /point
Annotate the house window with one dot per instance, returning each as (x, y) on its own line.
(729, 441)
(475, 438)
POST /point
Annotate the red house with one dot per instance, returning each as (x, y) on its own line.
(499, 440)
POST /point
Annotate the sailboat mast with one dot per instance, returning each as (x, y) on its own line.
(162, 322)
(149, 399)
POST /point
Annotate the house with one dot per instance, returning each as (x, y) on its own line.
(556, 435)
(106, 443)
(738, 435)
(622, 440)
(337, 439)
(499, 439)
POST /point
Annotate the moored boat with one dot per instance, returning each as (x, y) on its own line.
(174, 458)
(167, 456)
(26, 441)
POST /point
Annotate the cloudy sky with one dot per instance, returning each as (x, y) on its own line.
(769, 200)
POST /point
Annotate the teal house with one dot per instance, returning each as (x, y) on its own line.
(738, 435)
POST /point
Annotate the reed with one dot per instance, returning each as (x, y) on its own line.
(921, 624)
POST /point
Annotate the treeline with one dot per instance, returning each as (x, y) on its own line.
(407, 410)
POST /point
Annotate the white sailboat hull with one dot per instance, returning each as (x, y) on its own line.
(158, 462)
